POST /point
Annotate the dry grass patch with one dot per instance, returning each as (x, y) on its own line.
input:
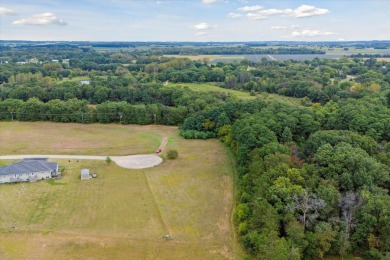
(79, 139)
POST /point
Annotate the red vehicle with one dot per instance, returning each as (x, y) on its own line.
(157, 151)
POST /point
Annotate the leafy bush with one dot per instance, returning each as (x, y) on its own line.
(172, 154)
(108, 160)
(194, 134)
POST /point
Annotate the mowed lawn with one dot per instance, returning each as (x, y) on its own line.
(123, 213)
(79, 139)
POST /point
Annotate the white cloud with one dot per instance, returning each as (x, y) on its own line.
(206, 2)
(258, 13)
(202, 34)
(201, 26)
(6, 11)
(295, 26)
(250, 8)
(285, 27)
(307, 11)
(275, 11)
(311, 33)
(40, 19)
(256, 16)
(234, 15)
(279, 27)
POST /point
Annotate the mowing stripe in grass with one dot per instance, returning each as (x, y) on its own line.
(159, 216)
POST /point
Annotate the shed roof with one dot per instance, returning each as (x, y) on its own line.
(85, 171)
(28, 166)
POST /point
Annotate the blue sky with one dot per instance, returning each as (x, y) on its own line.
(194, 20)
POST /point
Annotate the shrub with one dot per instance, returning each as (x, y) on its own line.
(108, 160)
(172, 154)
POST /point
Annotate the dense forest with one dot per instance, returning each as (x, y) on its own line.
(313, 176)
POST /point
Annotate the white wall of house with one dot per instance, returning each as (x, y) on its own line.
(43, 175)
(24, 176)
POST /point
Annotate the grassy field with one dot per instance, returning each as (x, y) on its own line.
(240, 95)
(123, 213)
(195, 57)
(383, 59)
(93, 139)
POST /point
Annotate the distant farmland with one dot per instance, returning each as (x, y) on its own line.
(331, 53)
(281, 57)
(300, 57)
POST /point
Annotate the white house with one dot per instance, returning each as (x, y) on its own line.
(85, 82)
(28, 170)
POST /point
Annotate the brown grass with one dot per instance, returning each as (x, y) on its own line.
(79, 139)
(383, 59)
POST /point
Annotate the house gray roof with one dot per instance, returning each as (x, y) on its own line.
(28, 166)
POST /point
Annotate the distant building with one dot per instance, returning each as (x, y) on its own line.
(85, 82)
(85, 174)
(65, 61)
(55, 61)
(33, 60)
(3, 62)
(21, 62)
(28, 171)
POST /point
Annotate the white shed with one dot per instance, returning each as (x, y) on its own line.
(85, 174)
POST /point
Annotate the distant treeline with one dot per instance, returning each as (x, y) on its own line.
(359, 55)
(331, 44)
(222, 50)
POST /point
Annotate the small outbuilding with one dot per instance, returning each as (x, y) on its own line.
(85, 174)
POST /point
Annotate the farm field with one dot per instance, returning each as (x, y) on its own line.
(235, 93)
(383, 59)
(334, 53)
(285, 57)
(123, 213)
(213, 59)
(79, 139)
(352, 50)
(195, 57)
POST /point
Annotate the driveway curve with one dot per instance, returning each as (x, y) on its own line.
(139, 161)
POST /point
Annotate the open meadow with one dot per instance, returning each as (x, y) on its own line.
(123, 213)
(237, 94)
(79, 139)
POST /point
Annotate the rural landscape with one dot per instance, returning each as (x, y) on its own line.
(123, 213)
(200, 129)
